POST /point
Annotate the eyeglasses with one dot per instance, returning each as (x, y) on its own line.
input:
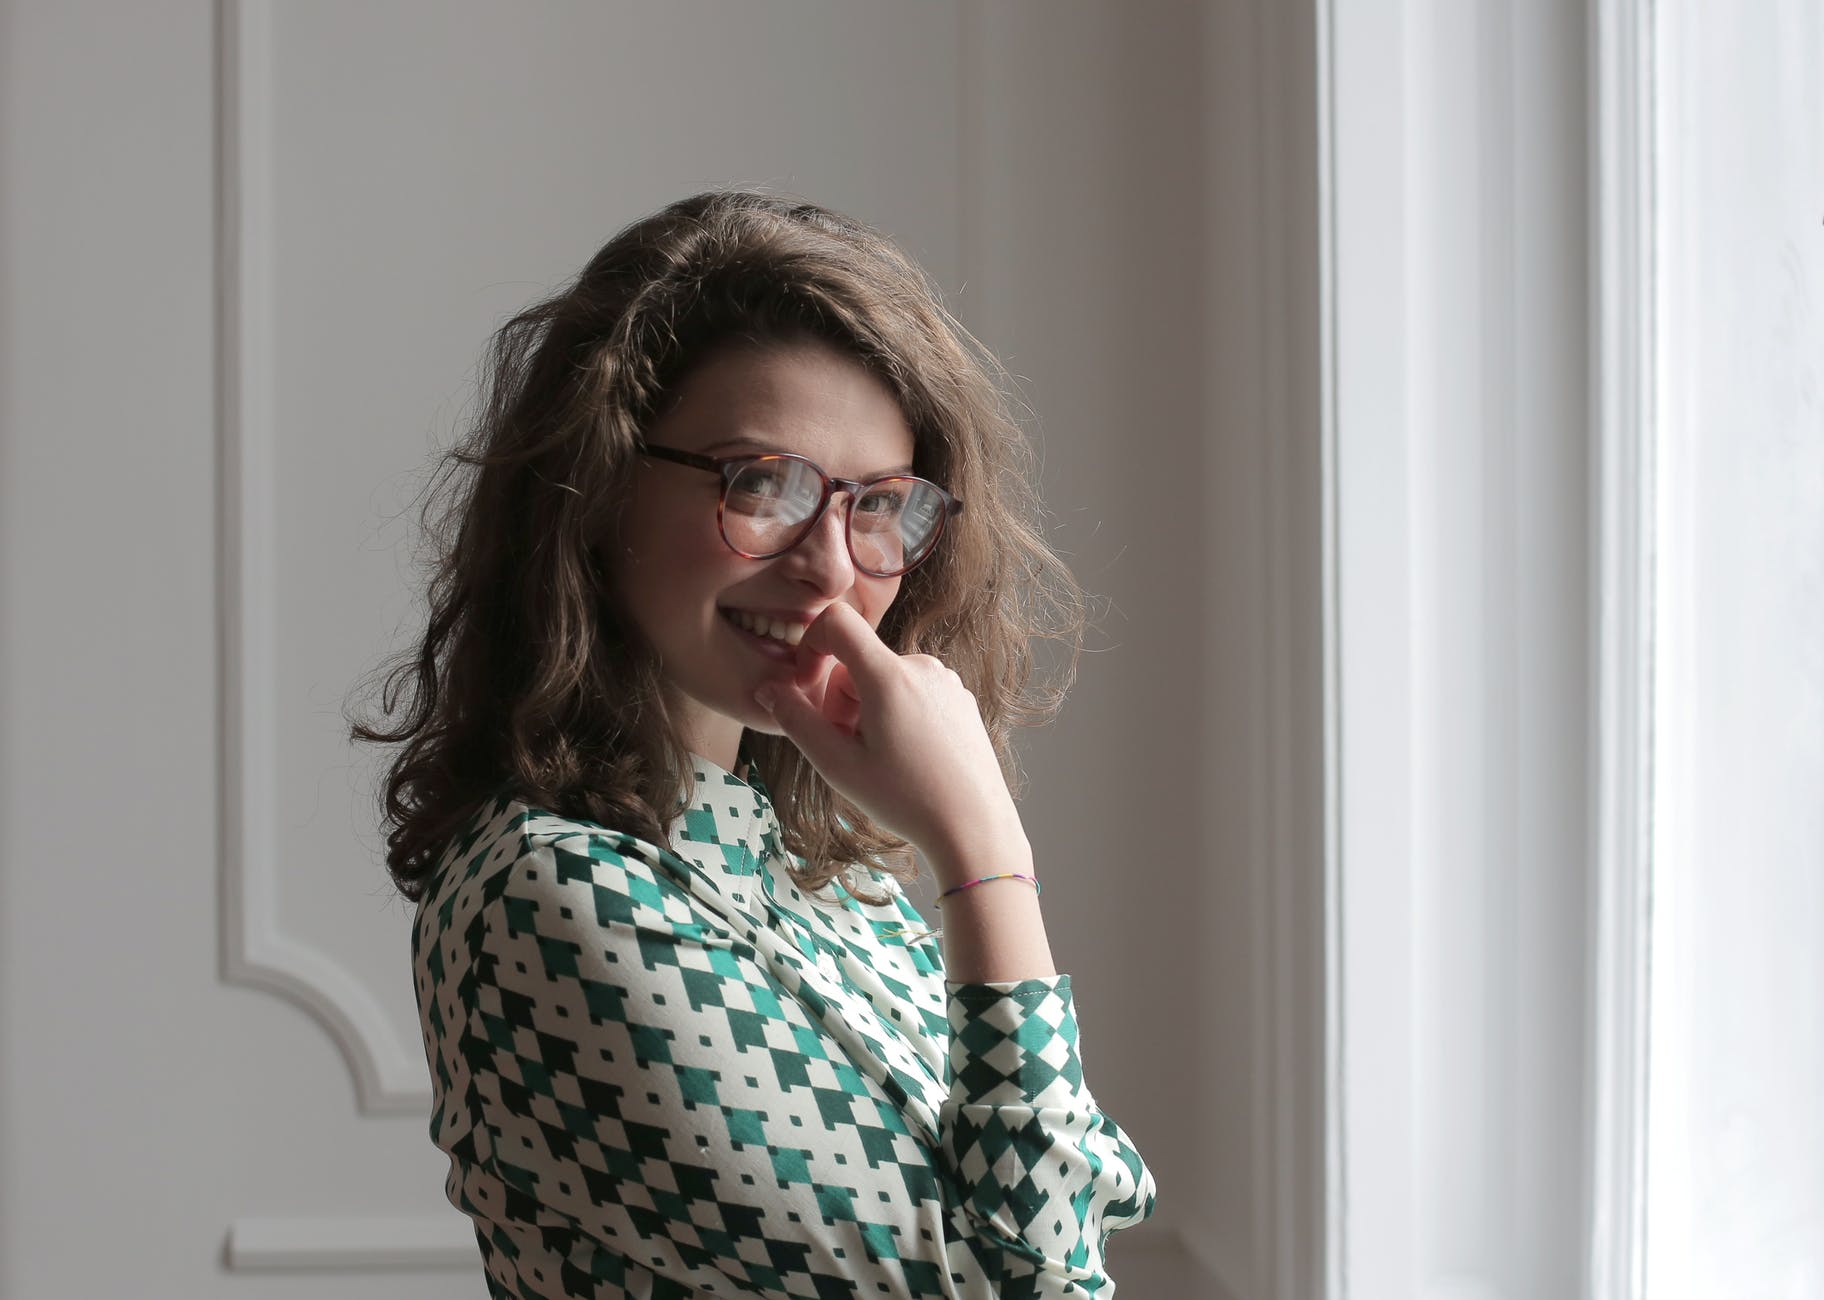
(771, 503)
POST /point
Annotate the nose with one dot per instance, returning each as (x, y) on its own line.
(822, 560)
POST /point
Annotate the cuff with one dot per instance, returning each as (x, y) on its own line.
(1014, 1042)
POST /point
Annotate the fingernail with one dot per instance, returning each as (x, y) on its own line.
(764, 697)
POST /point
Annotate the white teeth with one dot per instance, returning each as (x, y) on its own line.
(773, 629)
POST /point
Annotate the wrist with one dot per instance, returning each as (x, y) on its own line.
(990, 878)
(953, 864)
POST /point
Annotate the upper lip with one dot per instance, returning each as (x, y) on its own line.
(778, 615)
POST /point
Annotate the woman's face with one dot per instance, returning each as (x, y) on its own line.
(679, 581)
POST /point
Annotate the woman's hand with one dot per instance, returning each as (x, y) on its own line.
(901, 737)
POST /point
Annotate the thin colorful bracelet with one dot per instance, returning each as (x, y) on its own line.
(904, 932)
(1005, 875)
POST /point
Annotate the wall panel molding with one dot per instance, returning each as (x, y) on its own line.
(1622, 305)
(389, 1074)
(294, 1245)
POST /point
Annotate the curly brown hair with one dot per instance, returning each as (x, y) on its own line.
(529, 681)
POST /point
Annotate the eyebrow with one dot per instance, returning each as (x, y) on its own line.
(748, 440)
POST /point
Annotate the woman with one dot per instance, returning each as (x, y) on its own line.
(732, 614)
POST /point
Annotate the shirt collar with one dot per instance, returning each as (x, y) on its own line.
(730, 831)
(730, 814)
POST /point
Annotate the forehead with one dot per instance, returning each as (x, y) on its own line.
(803, 397)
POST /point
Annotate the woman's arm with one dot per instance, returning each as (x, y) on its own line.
(993, 931)
(902, 738)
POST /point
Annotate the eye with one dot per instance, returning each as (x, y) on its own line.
(883, 499)
(777, 487)
(760, 480)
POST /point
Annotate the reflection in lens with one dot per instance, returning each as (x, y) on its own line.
(768, 501)
(892, 525)
(895, 523)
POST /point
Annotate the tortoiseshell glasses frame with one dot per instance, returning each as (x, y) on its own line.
(765, 508)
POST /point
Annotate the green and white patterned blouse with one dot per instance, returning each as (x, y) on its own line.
(672, 1074)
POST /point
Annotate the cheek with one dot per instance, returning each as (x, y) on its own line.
(877, 598)
(656, 568)
(666, 547)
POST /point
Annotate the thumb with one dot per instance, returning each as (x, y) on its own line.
(822, 741)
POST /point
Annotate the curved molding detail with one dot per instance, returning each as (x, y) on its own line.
(307, 1245)
(389, 1074)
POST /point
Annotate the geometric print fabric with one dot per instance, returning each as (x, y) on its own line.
(664, 1073)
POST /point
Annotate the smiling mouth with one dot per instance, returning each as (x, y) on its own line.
(786, 634)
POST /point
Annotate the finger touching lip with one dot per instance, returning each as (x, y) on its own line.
(812, 665)
(844, 631)
(834, 627)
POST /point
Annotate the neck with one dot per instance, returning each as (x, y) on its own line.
(709, 735)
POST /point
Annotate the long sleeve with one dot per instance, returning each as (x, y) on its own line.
(648, 1095)
(1045, 1174)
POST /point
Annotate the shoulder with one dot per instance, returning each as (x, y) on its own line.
(512, 853)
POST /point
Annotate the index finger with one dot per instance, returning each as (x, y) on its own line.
(842, 632)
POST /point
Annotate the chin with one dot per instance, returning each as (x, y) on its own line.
(761, 725)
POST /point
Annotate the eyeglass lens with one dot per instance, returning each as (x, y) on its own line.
(770, 504)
